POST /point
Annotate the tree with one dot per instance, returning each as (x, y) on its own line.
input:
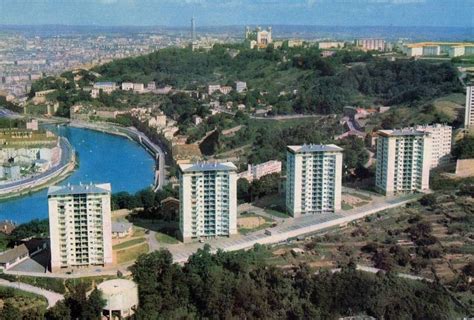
(34, 228)
(10, 312)
(59, 312)
(464, 149)
(95, 305)
(243, 187)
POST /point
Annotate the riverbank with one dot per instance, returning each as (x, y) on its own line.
(102, 157)
(38, 182)
(134, 135)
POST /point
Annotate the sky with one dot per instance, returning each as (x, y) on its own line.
(445, 13)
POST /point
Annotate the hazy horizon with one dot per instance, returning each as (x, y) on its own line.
(177, 13)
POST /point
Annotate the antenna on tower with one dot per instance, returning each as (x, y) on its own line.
(193, 29)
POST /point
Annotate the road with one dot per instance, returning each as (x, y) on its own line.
(291, 228)
(67, 153)
(279, 117)
(52, 297)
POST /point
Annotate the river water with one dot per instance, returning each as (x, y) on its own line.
(102, 158)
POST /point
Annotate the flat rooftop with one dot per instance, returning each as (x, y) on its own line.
(315, 148)
(401, 132)
(207, 166)
(79, 189)
(429, 44)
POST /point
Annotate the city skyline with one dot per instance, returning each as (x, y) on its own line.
(216, 13)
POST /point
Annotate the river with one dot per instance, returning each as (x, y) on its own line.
(102, 158)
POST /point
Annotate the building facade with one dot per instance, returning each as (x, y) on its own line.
(371, 44)
(403, 161)
(240, 86)
(441, 140)
(259, 38)
(469, 111)
(208, 200)
(80, 225)
(255, 172)
(314, 177)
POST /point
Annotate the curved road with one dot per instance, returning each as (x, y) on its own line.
(51, 296)
(67, 152)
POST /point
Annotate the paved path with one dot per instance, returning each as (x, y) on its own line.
(52, 297)
(152, 242)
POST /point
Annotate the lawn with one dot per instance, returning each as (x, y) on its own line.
(128, 243)
(268, 222)
(164, 238)
(132, 253)
(346, 206)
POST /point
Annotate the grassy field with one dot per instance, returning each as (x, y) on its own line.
(164, 238)
(128, 243)
(451, 105)
(346, 206)
(132, 253)
(244, 231)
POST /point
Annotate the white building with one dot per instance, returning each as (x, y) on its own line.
(331, 44)
(208, 200)
(105, 87)
(240, 86)
(403, 161)
(151, 85)
(121, 298)
(32, 125)
(127, 86)
(441, 140)
(213, 88)
(80, 225)
(138, 87)
(158, 121)
(469, 111)
(314, 177)
(257, 171)
(371, 44)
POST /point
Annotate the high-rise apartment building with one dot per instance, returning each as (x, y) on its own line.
(208, 200)
(314, 175)
(80, 225)
(371, 44)
(441, 140)
(403, 161)
(469, 113)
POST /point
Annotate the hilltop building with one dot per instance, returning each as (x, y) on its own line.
(314, 177)
(371, 44)
(331, 44)
(452, 49)
(80, 225)
(208, 200)
(105, 87)
(258, 38)
(403, 161)
(469, 111)
(240, 86)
